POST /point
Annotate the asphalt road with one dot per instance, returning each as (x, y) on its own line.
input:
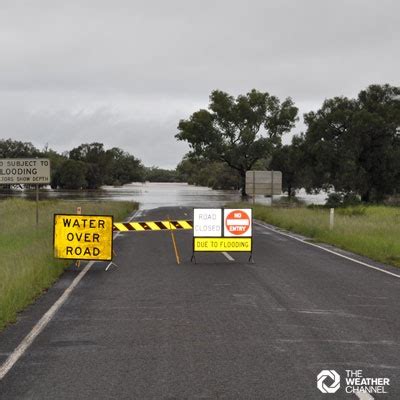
(218, 329)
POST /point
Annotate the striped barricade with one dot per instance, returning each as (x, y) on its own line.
(152, 225)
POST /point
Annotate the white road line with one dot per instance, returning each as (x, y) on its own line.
(228, 256)
(364, 396)
(43, 322)
(135, 214)
(138, 213)
(330, 251)
(38, 328)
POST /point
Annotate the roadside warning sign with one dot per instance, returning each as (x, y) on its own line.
(24, 171)
(222, 244)
(237, 222)
(83, 237)
(207, 222)
(222, 229)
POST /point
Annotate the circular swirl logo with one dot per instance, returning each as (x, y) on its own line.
(330, 375)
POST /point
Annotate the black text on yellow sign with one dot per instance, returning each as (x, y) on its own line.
(83, 237)
(222, 244)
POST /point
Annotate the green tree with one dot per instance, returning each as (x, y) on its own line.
(72, 175)
(238, 131)
(123, 167)
(14, 149)
(155, 174)
(290, 160)
(94, 157)
(202, 172)
(354, 144)
(56, 160)
(112, 167)
(89, 152)
(189, 170)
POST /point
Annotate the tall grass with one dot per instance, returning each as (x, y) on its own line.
(372, 231)
(27, 266)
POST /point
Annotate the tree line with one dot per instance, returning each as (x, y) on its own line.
(351, 146)
(88, 166)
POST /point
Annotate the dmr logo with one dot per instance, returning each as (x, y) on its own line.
(332, 376)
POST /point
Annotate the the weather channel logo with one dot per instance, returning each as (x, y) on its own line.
(328, 381)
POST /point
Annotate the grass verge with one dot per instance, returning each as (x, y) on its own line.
(27, 266)
(372, 231)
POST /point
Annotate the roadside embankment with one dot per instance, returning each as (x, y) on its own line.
(27, 266)
(372, 231)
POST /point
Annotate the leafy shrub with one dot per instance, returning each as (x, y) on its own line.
(334, 200)
(351, 199)
(352, 211)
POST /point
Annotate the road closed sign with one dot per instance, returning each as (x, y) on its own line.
(83, 237)
(238, 222)
(207, 222)
(222, 230)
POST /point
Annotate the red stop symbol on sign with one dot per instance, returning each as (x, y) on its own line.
(237, 222)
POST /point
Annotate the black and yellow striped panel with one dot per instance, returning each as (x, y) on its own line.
(152, 225)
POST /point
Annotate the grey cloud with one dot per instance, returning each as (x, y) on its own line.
(109, 58)
(147, 135)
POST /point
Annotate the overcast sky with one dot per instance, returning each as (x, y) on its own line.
(125, 72)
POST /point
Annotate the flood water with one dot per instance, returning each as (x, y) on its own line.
(152, 195)
(148, 195)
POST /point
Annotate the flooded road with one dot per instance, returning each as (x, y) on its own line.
(148, 195)
(152, 195)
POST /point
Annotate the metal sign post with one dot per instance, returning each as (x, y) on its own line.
(254, 187)
(272, 187)
(37, 206)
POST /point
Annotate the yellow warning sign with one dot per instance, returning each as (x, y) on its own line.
(222, 244)
(83, 237)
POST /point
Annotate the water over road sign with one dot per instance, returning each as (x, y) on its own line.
(83, 237)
